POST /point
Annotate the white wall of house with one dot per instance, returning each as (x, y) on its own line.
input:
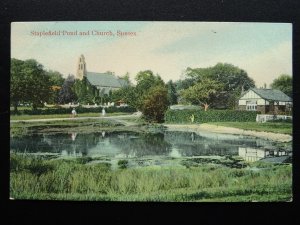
(252, 98)
(254, 101)
(251, 94)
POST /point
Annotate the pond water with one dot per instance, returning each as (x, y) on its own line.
(152, 146)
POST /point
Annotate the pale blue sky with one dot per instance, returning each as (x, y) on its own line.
(264, 50)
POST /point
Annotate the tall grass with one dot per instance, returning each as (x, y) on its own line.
(75, 180)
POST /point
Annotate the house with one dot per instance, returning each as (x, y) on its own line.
(267, 101)
(104, 82)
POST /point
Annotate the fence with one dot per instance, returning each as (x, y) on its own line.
(262, 118)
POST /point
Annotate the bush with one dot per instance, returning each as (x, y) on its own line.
(123, 163)
(155, 104)
(200, 116)
(51, 111)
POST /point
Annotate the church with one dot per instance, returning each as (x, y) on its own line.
(104, 82)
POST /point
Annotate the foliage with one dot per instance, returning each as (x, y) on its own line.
(172, 95)
(29, 83)
(233, 79)
(86, 92)
(56, 78)
(283, 83)
(79, 109)
(56, 82)
(66, 93)
(200, 116)
(123, 163)
(145, 81)
(155, 104)
(126, 94)
(71, 180)
(204, 92)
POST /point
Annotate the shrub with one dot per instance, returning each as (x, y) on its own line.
(123, 163)
(200, 116)
(51, 111)
(155, 104)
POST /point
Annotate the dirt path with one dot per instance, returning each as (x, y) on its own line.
(230, 130)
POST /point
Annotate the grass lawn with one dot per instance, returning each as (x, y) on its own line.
(28, 117)
(275, 127)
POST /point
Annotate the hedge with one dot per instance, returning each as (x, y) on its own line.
(79, 109)
(200, 116)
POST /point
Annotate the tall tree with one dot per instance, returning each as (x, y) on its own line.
(232, 77)
(55, 77)
(86, 92)
(145, 81)
(204, 92)
(235, 80)
(29, 83)
(66, 93)
(155, 104)
(172, 95)
(283, 83)
(56, 82)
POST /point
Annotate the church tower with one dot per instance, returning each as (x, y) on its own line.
(81, 68)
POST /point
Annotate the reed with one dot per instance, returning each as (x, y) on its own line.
(75, 180)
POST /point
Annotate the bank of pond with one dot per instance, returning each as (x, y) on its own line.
(149, 166)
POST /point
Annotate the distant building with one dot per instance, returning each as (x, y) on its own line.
(267, 101)
(104, 82)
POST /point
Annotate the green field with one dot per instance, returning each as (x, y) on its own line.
(61, 179)
(29, 117)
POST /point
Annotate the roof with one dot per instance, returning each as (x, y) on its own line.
(105, 80)
(272, 94)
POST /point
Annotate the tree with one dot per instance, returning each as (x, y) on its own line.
(145, 81)
(204, 92)
(235, 80)
(155, 104)
(283, 83)
(29, 83)
(172, 95)
(126, 80)
(56, 82)
(55, 77)
(126, 94)
(66, 93)
(85, 91)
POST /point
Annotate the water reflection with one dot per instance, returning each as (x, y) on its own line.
(255, 154)
(131, 144)
(73, 136)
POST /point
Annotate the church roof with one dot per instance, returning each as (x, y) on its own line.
(105, 80)
(272, 94)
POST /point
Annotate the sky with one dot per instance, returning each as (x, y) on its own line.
(263, 50)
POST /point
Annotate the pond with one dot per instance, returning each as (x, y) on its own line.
(143, 149)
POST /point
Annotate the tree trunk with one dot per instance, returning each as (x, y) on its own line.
(206, 106)
(15, 107)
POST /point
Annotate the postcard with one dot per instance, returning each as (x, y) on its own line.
(151, 111)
